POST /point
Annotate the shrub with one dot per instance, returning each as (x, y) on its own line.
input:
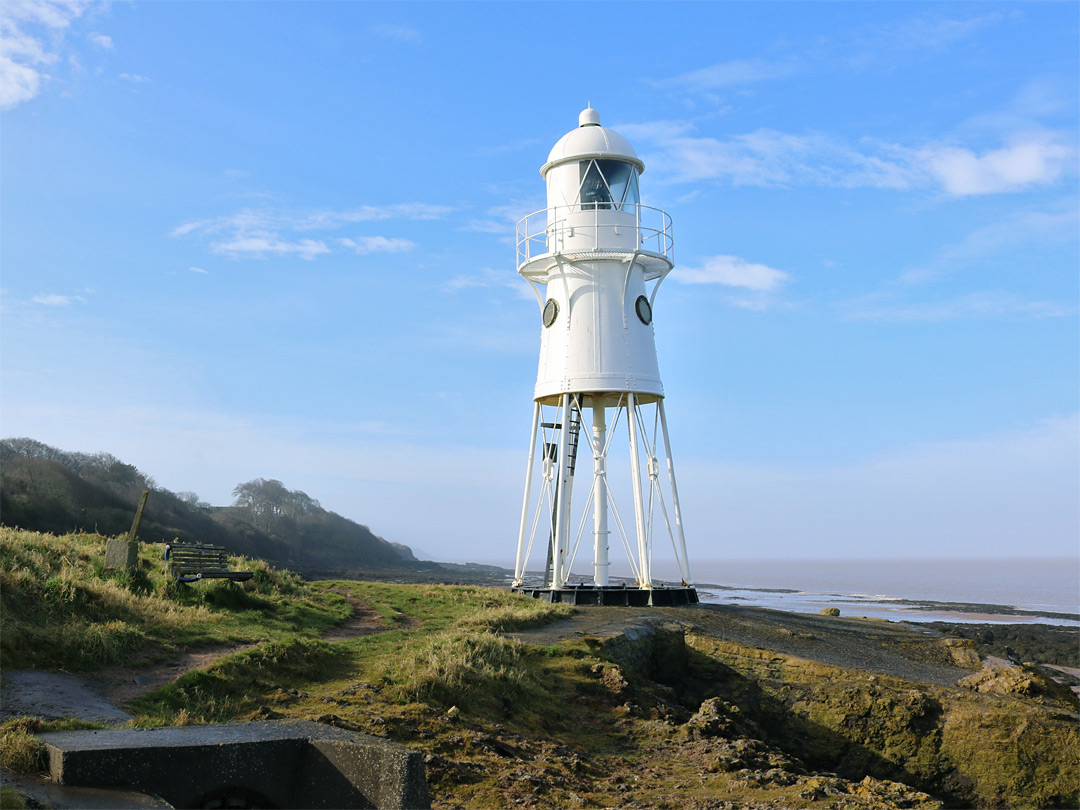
(20, 750)
(455, 666)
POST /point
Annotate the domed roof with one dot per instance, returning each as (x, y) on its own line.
(590, 140)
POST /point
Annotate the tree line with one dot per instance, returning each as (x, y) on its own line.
(43, 488)
(268, 500)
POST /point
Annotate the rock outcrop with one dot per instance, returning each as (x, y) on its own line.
(966, 736)
(1022, 681)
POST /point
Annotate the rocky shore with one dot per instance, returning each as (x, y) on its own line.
(850, 712)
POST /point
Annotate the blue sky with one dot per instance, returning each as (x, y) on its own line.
(254, 239)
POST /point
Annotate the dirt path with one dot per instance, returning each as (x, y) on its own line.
(118, 685)
(97, 696)
(364, 621)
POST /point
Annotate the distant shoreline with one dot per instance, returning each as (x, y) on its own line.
(892, 608)
(790, 600)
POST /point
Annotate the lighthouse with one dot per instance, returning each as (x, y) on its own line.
(595, 258)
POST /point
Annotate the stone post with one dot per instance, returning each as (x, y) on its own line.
(122, 553)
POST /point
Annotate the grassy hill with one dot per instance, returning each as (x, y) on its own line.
(46, 489)
(517, 703)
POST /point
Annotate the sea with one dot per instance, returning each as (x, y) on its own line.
(1014, 591)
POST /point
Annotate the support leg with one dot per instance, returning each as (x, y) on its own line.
(558, 575)
(600, 529)
(684, 561)
(519, 566)
(639, 503)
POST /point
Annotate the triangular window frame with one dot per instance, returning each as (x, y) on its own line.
(631, 190)
(626, 187)
(594, 205)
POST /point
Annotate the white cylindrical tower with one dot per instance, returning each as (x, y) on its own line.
(595, 257)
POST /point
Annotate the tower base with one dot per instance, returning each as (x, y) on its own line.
(616, 595)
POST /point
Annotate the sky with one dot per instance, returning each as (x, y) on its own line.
(276, 239)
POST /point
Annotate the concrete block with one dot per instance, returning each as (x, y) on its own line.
(288, 764)
(121, 555)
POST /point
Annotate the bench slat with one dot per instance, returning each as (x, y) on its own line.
(189, 562)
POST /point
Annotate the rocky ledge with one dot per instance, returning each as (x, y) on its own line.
(818, 711)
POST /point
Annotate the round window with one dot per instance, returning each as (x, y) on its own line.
(551, 312)
(644, 310)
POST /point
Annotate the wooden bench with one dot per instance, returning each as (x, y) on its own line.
(190, 562)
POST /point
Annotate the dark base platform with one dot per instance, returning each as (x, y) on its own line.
(618, 595)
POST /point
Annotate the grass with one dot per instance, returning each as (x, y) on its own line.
(501, 722)
(60, 609)
(236, 686)
(11, 799)
(437, 607)
(20, 749)
(458, 667)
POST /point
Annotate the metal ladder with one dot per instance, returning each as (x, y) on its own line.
(551, 450)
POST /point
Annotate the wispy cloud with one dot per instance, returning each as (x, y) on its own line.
(1027, 160)
(732, 271)
(1000, 151)
(728, 74)
(501, 219)
(754, 285)
(101, 40)
(258, 233)
(319, 220)
(56, 300)
(770, 158)
(487, 278)
(657, 131)
(134, 77)
(377, 244)
(260, 246)
(1018, 230)
(931, 32)
(928, 33)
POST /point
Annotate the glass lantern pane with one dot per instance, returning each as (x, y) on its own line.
(621, 179)
(633, 196)
(594, 191)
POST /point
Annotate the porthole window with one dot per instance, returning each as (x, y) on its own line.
(644, 310)
(551, 312)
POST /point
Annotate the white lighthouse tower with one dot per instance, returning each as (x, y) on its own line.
(595, 257)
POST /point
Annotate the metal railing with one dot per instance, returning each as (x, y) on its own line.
(540, 232)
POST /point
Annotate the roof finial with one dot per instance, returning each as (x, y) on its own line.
(589, 117)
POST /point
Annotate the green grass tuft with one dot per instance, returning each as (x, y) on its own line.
(460, 667)
(234, 686)
(59, 608)
(21, 751)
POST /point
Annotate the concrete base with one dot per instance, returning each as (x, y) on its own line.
(619, 595)
(285, 764)
(121, 555)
